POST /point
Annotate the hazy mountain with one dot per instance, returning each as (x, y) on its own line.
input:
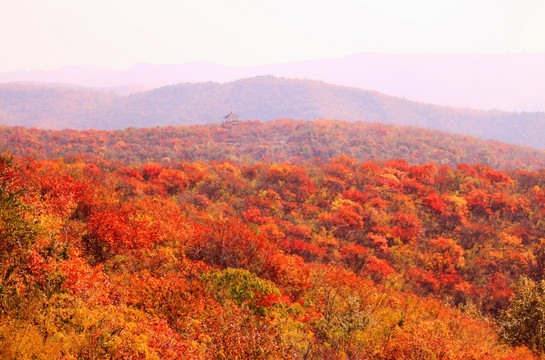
(51, 106)
(263, 98)
(511, 82)
(119, 90)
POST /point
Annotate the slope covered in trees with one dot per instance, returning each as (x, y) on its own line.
(264, 98)
(278, 140)
(276, 260)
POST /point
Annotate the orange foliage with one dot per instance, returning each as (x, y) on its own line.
(345, 260)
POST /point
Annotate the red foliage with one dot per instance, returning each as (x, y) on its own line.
(408, 226)
(151, 171)
(424, 280)
(308, 251)
(357, 196)
(378, 269)
(228, 244)
(434, 201)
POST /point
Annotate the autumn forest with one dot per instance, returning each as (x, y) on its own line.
(278, 240)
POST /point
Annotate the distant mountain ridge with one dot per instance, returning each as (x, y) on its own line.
(260, 98)
(509, 82)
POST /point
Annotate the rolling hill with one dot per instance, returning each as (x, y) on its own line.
(264, 98)
(278, 140)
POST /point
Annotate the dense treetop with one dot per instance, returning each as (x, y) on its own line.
(318, 259)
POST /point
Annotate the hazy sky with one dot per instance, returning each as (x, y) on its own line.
(48, 34)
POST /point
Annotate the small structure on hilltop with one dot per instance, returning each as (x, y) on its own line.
(231, 119)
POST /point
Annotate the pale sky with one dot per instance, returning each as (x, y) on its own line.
(49, 34)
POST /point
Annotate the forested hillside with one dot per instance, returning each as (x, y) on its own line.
(285, 239)
(326, 259)
(264, 98)
(278, 140)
